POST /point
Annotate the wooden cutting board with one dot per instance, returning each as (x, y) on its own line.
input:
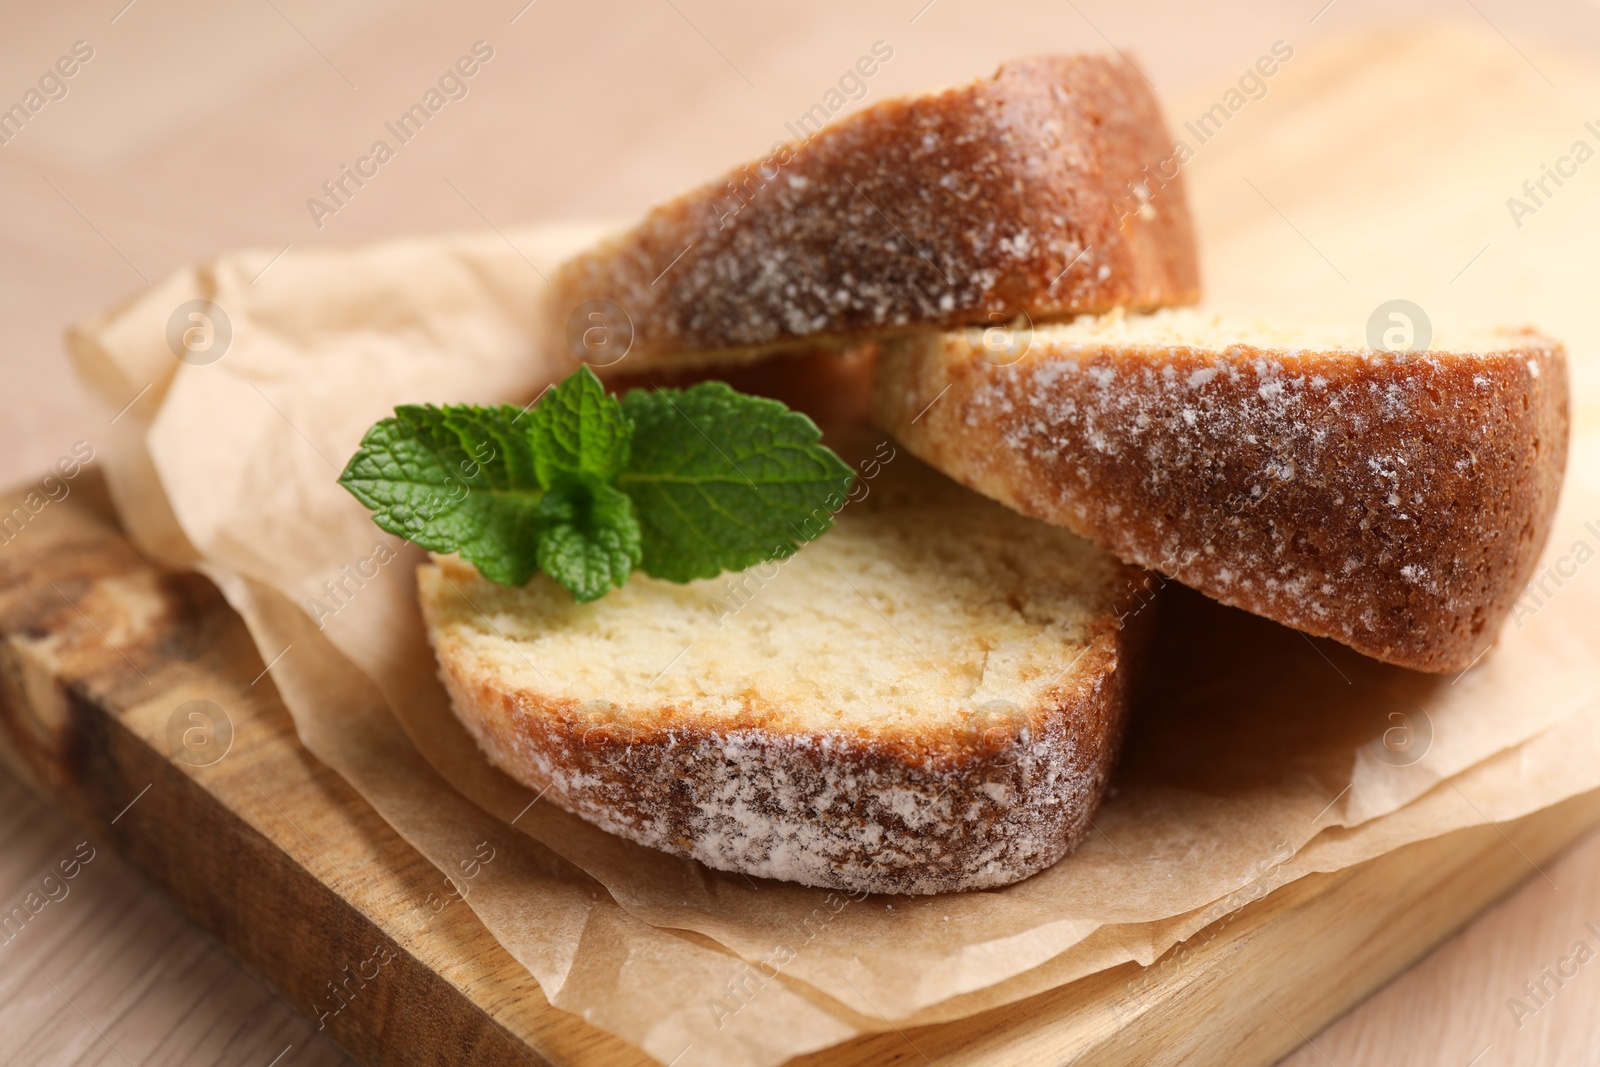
(106, 662)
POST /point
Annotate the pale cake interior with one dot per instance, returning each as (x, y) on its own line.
(926, 604)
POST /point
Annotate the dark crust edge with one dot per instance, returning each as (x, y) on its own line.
(992, 805)
(1091, 117)
(1485, 531)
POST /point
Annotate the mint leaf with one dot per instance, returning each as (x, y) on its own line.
(454, 479)
(683, 483)
(723, 481)
(579, 430)
(588, 538)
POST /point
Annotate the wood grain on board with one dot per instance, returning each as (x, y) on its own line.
(108, 972)
(104, 661)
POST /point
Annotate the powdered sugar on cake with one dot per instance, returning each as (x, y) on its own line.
(969, 206)
(823, 809)
(1395, 502)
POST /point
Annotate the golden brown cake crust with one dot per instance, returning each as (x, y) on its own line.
(913, 814)
(1395, 503)
(1019, 193)
(924, 805)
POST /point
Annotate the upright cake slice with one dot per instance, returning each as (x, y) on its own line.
(1394, 502)
(1048, 190)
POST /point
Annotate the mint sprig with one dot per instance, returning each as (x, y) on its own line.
(683, 484)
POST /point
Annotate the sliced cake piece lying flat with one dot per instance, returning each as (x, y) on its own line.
(928, 698)
(1047, 189)
(1394, 502)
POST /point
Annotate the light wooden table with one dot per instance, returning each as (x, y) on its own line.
(194, 128)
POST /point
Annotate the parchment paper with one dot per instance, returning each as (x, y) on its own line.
(1250, 744)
